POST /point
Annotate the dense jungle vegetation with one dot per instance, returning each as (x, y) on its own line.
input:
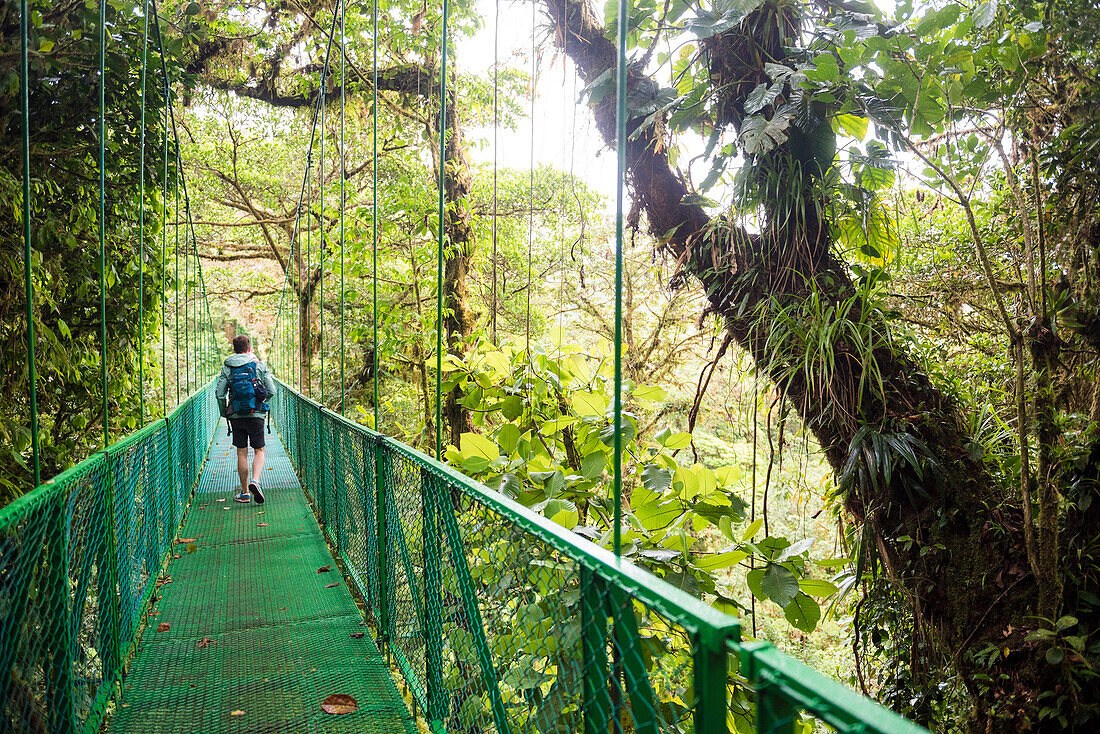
(861, 304)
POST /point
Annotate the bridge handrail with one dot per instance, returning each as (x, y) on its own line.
(782, 686)
(80, 557)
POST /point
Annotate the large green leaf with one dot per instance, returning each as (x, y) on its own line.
(779, 584)
(985, 13)
(656, 478)
(803, 612)
(760, 135)
(473, 444)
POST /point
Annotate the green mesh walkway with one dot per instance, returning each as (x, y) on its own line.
(279, 640)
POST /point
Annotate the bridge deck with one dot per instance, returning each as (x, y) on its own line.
(253, 626)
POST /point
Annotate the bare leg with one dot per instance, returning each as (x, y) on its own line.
(242, 468)
(257, 463)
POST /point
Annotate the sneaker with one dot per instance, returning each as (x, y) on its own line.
(243, 497)
(254, 488)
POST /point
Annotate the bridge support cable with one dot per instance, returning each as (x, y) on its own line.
(442, 233)
(343, 172)
(321, 225)
(374, 206)
(25, 105)
(620, 204)
(102, 261)
(141, 217)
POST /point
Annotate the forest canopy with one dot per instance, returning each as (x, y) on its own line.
(861, 280)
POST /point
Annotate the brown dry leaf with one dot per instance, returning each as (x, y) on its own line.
(177, 556)
(334, 583)
(163, 627)
(185, 541)
(324, 569)
(261, 524)
(340, 703)
(204, 643)
(238, 712)
(358, 635)
(153, 614)
(220, 500)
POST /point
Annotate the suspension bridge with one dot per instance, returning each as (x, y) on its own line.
(378, 589)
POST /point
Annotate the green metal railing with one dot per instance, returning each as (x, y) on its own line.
(80, 558)
(500, 620)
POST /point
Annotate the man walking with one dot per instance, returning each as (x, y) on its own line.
(243, 389)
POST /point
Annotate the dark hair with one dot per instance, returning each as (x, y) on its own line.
(241, 344)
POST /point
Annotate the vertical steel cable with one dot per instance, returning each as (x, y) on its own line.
(620, 163)
(25, 103)
(164, 262)
(343, 85)
(531, 180)
(102, 217)
(439, 258)
(309, 265)
(496, 131)
(176, 256)
(374, 206)
(321, 221)
(141, 222)
(187, 345)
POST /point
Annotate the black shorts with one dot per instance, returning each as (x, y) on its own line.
(248, 430)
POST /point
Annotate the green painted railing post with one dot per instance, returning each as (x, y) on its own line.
(711, 674)
(323, 497)
(643, 707)
(60, 693)
(433, 605)
(107, 581)
(343, 457)
(475, 625)
(597, 700)
(775, 712)
(381, 491)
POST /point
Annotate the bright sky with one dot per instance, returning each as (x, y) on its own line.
(565, 133)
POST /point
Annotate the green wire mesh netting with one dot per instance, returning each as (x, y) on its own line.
(502, 621)
(79, 561)
(254, 634)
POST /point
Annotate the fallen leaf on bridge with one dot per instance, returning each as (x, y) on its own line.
(339, 703)
(204, 643)
(358, 635)
(238, 712)
(324, 569)
(334, 583)
(185, 541)
(261, 524)
(163, 627)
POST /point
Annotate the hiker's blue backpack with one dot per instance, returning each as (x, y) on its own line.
(247, 392)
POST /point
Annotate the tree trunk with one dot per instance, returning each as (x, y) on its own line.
(458, 318)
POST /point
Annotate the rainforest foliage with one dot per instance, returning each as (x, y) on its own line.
(882, 224)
